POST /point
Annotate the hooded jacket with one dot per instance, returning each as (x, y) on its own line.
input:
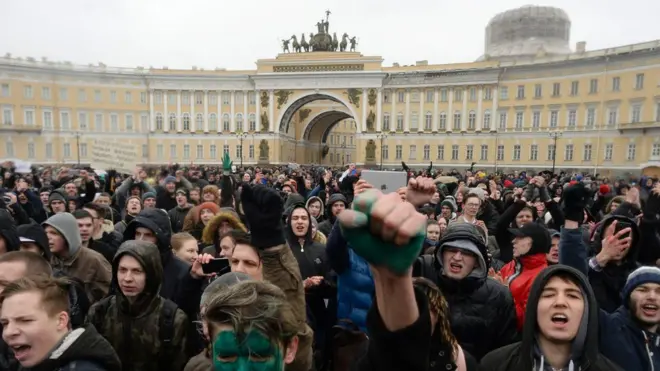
(321, 216)
(36, 233)
(326, 225)
(157, 221)
(84, 264)
(8, 231)
(525, 355)
(81, 349)
(132, 328)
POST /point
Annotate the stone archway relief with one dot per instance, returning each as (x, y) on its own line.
(320, 119)
(293, 105)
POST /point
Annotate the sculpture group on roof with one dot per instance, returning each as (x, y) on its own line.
(321, 41)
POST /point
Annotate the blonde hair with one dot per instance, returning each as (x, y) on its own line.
(54, 292)
(179, 239)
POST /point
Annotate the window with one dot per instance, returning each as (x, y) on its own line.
(48, 120)
(454, 152)
(226, 98)
(7, 116)
(399, 122)
(171, 97)
(401, 97)
(9, 148)
(500, 152)
(472, 120)
(214, 151)
(488, 93)
(129, 122)
(427, 152)
(82, 121)
(486, 125)
(159, 152)
(199, 121)
(575, 88)
(64, 94)
(443, 121)
(504, 93)
(551, 152)
(97, 96)
(520, 118)
(172, 122)
(29, 117)
(65, 122)
(536, 119)
(145, 151)
(568, 152)
(386, 152)
(587, 152)
(414, 96)
(443, 95)
(186, 121)
(144, 123)
(502, 121)
(185, 97)
(469, 152)
(45, 92)
(67, 150)
(457, 120)
(172, 151)
(114, 123)
(413, 152)
(82, 95)
(613, 116)
(521, 92)
(128, 98)
(430, 96)
(251, 151)
(113, 97)
(239, 122)
(516, 152)
(441, 152)
(27, 91)
(31, 154)
(252, 98)
(538, 90)
(398, 152)
(213, 122)
(49, 150)
(200, 152)
(655, 152)
(616, 83)
(458, 94)
(473, 94)
(83, 149)
(213, 98)
(657, 112)
(199, 98)
(5, 90)
(609, 151)
(556, 89)
(159, 121)
(632, 149)
(572, 118)
(484, 152)
(143, 99)
(639, 81)
(239, 97)
(591, 117)
(554, 117)
(225, 122)
(414, 121)
(636, 115)
(386, 122)
(593, 86)
(428, 121)
(386, 97)
(534, 152)
(98, 122)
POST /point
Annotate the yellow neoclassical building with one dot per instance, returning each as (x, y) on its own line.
(530, 101)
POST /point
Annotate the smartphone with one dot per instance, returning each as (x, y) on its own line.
(219, 265)
(621, 226)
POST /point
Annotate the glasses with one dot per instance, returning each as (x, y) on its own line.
(472, 205)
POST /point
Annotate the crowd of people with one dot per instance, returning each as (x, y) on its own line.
(307, 268)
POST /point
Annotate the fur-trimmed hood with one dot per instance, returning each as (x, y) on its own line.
(210, 234)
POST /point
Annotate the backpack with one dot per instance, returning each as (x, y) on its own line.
(165, 329)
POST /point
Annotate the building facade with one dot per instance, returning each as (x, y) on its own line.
(525, 108)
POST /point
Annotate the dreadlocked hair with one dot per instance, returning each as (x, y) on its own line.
(438, 306)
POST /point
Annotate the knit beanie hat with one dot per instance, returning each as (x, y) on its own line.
(56, 196)
(215, 209)
(638, 277)
(604, 189)
(169, 179)
(147, 195)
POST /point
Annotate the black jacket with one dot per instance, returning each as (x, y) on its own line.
(524, 356)
(8, 231)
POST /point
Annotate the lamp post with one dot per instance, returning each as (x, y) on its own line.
(241, 136)
(382, 138)
(78, 147)
(343, 154)
(554, 135)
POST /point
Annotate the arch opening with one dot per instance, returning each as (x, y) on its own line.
(300, 102)
(321, 125)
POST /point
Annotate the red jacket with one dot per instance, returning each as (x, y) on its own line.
(519, 274)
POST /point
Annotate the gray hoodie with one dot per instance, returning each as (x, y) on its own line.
(67, 226)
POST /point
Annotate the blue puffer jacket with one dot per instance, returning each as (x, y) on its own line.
(355, 286)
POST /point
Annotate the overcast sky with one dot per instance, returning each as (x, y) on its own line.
(234, 34)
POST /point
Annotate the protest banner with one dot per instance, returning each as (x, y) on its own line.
(113, 154)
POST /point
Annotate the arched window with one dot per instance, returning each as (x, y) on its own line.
(199, 121)
(213, 122)
(186, 122)
(443, 121)
(486, 125)
(225, 122)
(472, 120)
(428, 122)
(172, 121)
(457, 121)
(159, 121)
(386, 122)
(399, 122)
(239, 122)
(253, 122)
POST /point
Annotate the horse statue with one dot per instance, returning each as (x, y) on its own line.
(313, 44)
(335, 42)
(353, 43)
(304, 44)
(344, 43)
(295, 45)
(285, 46)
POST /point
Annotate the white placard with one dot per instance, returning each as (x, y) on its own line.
(111, 154)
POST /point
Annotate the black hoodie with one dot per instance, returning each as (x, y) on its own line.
(526, 356)
(36, 233)
(8, 231)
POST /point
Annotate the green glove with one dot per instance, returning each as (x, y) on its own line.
(355, 227)
(226, 164)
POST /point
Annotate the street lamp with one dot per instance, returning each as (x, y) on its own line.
(554, 135)
(78, 147)
(382, 137)
(343, 149)
(241, 136)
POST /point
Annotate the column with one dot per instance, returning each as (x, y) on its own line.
(406, 115)
(231, 111)
(464, 116)
(379, 111)
(421, 120)
(246, 119)
(363, 127)
(152, 114)
(480, 97)
(436, 118)
(219, 103)
(192, 111)
(206, 111)
(257, 110)
(450, 109)
(166, 119)
(494, 117)
(179, 123)
(271, 110)
(393, 115)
